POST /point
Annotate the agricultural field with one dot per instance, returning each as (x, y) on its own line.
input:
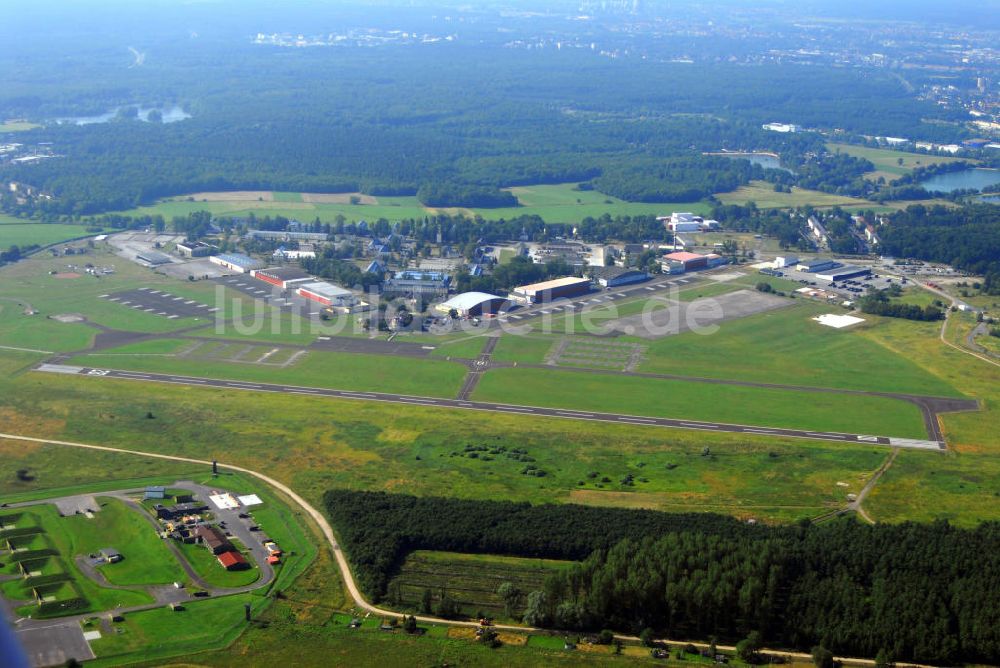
(38, 234)
(471, 580)
(762, 193)
(892, 164)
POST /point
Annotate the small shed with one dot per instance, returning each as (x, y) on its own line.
(154, 492)
(111, 555)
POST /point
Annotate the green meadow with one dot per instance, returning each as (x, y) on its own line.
(13, 233)
(763, 407)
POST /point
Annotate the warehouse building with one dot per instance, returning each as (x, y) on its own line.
(195, 248)
(236, 262)
(843, 273)
(285, 278)
(691, 261)
(612, 277)
(546, 291)
(153, 258)
(818, 264)
(783, 261)
(282, 235)
(327, 294)
(472, 304)
(418, 283)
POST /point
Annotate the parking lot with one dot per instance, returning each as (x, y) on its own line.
(161, 303)
(285, 300)
(850, 289)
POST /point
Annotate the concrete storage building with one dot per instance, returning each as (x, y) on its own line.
(472, 303)
(418, 283)
(691, 261)
(327, 294)
(612, 277)
(153, 258)
(843, 273)
(783, 261)
(546, 291)
(283, 277)
(195, 248)
(819, 264)
(237, 262)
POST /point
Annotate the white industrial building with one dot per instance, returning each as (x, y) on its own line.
(237, 262)
(472, 303)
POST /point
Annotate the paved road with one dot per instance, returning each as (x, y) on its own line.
(510, 409)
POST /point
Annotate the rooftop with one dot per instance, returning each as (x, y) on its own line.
(554, 283)
(684, 256)
(284, 273)
(324, 289)
(467, 300)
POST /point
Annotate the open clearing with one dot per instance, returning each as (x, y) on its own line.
(469, 579)
(887, 161)
(763, 194)
(40, 234)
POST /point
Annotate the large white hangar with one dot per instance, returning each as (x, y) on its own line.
(472, 303)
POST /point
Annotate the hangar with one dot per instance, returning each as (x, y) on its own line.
(569, 286)
(843, 273)
(326, 294)
(691, 261)
(612, 277)
(472, 303)
(153, 258)
(237, 262)
(283, 277)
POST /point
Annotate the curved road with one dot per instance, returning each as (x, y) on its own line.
(345, 569)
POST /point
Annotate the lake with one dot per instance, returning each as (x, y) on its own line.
(170, 115)
(975, 178)
(765, 160)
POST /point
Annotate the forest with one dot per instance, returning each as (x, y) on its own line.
(919, 592)
(967, 237)
(450, 123)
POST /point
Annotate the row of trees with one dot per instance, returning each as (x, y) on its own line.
(877, 302)
(966, 237)
(921, 592)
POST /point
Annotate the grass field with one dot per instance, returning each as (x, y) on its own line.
(41, 234)
(77, 536)
(328, 443)
(560, 203)
(349, 371)
(701, 401)
(211, 571)
(469, 579)
(17, 126)
(763, 194)
(887, 161)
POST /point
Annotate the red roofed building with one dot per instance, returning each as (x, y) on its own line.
(233, 561)
(691, 261)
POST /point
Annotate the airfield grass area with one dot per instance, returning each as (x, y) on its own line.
(701, 401)
(349, 371)
(315, 444)
(38, 234)
(471, 580)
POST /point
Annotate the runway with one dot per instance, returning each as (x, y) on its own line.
(510, 409)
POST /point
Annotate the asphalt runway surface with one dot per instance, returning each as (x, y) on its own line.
(162, 303)
(510, 409)
(345, 344)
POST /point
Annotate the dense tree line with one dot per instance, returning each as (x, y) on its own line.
(878, 303)
(922, 592)
(379, 529)
(340, 271)
(466, 195)
(967, 238)
(521, 270)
